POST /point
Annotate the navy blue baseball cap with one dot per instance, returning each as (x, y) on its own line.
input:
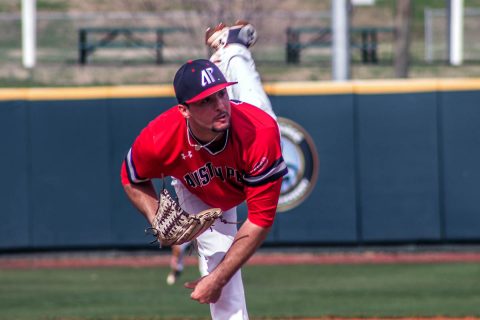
(197, 79)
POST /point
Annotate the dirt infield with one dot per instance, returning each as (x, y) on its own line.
(152, 260)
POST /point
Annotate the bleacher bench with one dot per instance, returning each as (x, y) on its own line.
(367, 44)
(119, 37)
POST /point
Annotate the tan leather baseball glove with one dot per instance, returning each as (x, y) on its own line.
(172, 225)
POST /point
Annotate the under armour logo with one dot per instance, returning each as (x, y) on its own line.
(189, 155)
(207, 76)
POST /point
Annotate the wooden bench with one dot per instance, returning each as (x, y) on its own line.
(367, 44)
(118, 37)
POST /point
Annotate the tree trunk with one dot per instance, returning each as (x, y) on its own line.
(402, 37)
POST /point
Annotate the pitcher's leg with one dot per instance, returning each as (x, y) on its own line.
(212, 246)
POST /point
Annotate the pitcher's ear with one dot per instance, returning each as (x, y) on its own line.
(183, 108)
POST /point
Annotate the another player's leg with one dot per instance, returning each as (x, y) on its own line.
(231, 53)
(176, 263)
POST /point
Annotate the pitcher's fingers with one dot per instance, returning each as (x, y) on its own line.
(190, 284)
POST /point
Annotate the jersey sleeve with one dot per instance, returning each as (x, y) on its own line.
(139, 163)
(263, 177)
(262, 202)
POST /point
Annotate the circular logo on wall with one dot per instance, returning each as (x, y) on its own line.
(301, 157)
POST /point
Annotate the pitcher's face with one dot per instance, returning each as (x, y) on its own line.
(209, 115)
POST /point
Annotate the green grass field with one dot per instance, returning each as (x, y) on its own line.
(272, 292)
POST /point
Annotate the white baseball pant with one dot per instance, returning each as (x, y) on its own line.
(212, 247)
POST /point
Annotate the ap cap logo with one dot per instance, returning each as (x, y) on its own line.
(301, 157)
(207, 76)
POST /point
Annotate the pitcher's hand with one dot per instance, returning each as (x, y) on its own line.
(205, 289)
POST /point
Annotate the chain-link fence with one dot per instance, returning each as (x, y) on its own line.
(436, 35)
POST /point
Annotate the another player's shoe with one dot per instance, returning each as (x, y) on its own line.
(241, 32)
(173, 276)
(246, 34)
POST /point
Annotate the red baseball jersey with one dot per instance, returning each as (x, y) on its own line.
(249, 166)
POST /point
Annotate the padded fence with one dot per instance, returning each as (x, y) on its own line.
(397, 164)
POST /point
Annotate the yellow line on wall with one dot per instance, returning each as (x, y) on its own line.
(307, 88)
(86, 93)
(459, 85)
(275, 89)
(386, 86)
(395, 86)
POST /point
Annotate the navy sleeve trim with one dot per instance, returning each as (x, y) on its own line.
(274, 172)
(132, 174)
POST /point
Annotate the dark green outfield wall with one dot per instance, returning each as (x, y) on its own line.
(394, 168)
